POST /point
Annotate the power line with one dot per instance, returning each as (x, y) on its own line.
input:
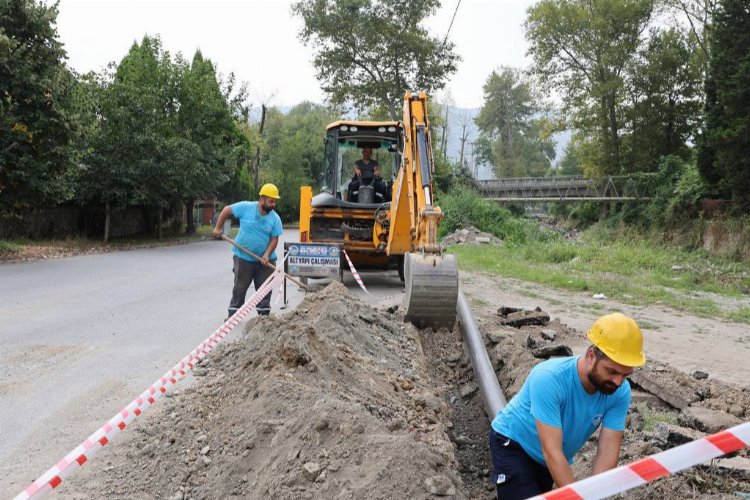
(451, 24)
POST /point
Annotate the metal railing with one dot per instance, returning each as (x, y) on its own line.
(564, 189)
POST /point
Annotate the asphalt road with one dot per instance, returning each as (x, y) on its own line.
(80, 337)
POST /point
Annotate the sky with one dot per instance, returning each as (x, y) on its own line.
(257, 40)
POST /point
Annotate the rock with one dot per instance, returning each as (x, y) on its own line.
(737, 410)
(678, 268)
(321, 424)
(485, 240)
(697, 374)
(599, 296)
(523, 318)
(462, 439)
(440, 486)
(665, 388)
(548, 351)
(201, 438)
(311, 470)
(506, 310)
(549, 334)
(496, 337)
(454, 358)
(468, 389)
(206, 461)
(668, 435)
(707, 420)
(206, 450)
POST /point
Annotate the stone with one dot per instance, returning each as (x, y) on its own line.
(599, 296)
(668, 435)
(468, 389)
(706, 420)
(665, 388)
(496, 337)
(506, 310)
(524, 318)
(548, 351)
(737, 410)
(206, 450)
(678, 268)
(201, 438)
(311, 470)
(484, 240)
(549, 334)
(439, 486)
(697, 374)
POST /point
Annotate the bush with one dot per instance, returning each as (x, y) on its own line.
(8, 247)
(463, 207)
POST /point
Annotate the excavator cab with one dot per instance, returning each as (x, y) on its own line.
(345, 145)
(386, 221)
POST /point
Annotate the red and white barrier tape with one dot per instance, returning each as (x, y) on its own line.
(88, 448)
(651, 468)
(355, 273)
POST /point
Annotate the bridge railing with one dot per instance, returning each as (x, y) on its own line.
(565, 188)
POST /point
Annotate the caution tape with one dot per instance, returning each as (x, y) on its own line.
(355, 273)
(649, 469)
(96, 441)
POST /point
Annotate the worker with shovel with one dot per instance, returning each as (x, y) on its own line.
(562, 403)
(260, 228)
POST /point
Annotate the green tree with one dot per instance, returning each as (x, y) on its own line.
(370, 52)
(569, 164)
(35, 129)
(138, 155)
(724, 156)
(295, 152)
(582, 49)
(511, 129)
(204, 120)
(665, 101)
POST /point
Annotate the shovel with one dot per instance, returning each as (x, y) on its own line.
(252, 254)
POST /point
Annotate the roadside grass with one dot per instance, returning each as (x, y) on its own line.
(631, 269)
(652, 417)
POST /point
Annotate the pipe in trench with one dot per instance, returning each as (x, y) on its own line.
(489, 387)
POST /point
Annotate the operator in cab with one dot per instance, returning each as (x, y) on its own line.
(367, 173)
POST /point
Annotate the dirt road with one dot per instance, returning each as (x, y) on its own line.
(686, 342)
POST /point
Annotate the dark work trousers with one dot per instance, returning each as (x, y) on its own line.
(245, 273)
(515, 474)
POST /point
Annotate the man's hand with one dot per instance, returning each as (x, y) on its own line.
(218, 232)
(607, 450)
(376, 170)
(264, 259)
(357, 171)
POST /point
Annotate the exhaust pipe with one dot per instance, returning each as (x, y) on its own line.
(489, 387)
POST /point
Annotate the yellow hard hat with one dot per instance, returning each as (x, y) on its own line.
(270, 190)
(619, 338)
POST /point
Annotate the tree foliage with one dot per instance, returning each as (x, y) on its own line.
(370, 52)
(724, 157)
(511, 124)
(582, 49)
(36, 130)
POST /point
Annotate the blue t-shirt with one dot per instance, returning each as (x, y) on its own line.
(554, 395)
(256, 229)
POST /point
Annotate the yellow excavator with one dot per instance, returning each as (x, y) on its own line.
(386, 225)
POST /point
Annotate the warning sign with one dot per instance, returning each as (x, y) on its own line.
(313, 260)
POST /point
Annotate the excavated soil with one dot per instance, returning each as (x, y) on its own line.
(341, 400)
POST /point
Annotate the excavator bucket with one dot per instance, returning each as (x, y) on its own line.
(431, 289)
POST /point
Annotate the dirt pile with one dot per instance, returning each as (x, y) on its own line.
(668, 407)
(334, 400)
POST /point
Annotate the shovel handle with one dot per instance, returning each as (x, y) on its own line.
(268, 264)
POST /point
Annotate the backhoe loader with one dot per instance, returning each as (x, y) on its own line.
(391, 228)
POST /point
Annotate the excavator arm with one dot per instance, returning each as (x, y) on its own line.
(431, 277)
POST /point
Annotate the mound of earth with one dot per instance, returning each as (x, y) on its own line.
(334, 400)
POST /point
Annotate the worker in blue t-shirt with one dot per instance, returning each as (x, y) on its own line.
(260, 228)
(562, 403)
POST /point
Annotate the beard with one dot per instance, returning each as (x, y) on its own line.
(603, 386)
(266, 209)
